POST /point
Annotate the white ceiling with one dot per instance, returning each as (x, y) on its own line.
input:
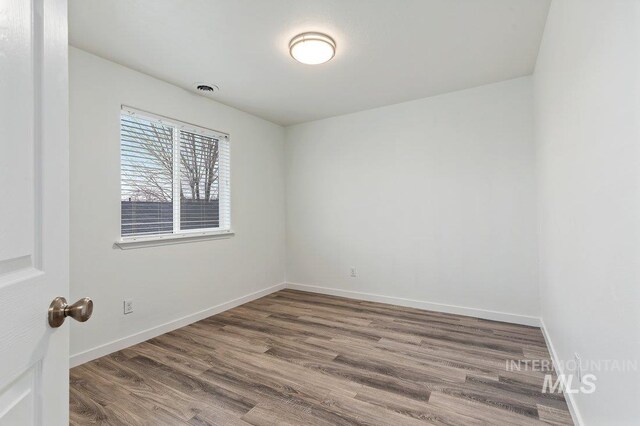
(389, 51)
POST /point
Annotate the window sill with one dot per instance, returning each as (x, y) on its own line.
(163, 240)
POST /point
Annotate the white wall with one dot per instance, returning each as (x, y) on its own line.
(431, 200)
(173, 281)
(587, 104)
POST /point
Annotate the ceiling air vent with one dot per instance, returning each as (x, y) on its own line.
(205, 89)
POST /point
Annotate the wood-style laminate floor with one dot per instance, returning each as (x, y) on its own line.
(295, 358)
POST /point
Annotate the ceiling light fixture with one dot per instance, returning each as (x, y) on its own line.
(312, 48)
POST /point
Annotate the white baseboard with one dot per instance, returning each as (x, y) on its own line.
(147, 334)
(419, 304)
(573, 408)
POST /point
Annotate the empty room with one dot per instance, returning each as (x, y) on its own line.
(320, 212)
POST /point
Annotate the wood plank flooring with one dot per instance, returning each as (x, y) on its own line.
(296, 358)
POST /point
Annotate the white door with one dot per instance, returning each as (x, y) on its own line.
(34, 229)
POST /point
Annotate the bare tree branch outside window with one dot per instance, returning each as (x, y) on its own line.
(199, 162)
(153, 180)
(153, 177)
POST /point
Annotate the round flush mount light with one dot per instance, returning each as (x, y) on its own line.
(312, 48)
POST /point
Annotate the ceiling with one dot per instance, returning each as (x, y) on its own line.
(388, 51)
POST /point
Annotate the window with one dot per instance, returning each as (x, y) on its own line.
(174, 178)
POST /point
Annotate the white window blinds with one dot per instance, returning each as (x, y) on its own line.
(174, 177)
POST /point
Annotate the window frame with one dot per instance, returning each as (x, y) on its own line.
(224, 229)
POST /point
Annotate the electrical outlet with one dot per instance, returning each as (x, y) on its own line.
(354, 273)
(128, 306)
(578, 367)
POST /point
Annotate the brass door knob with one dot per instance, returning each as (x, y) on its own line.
(79, 311)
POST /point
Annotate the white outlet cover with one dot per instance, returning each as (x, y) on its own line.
(128, 306)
